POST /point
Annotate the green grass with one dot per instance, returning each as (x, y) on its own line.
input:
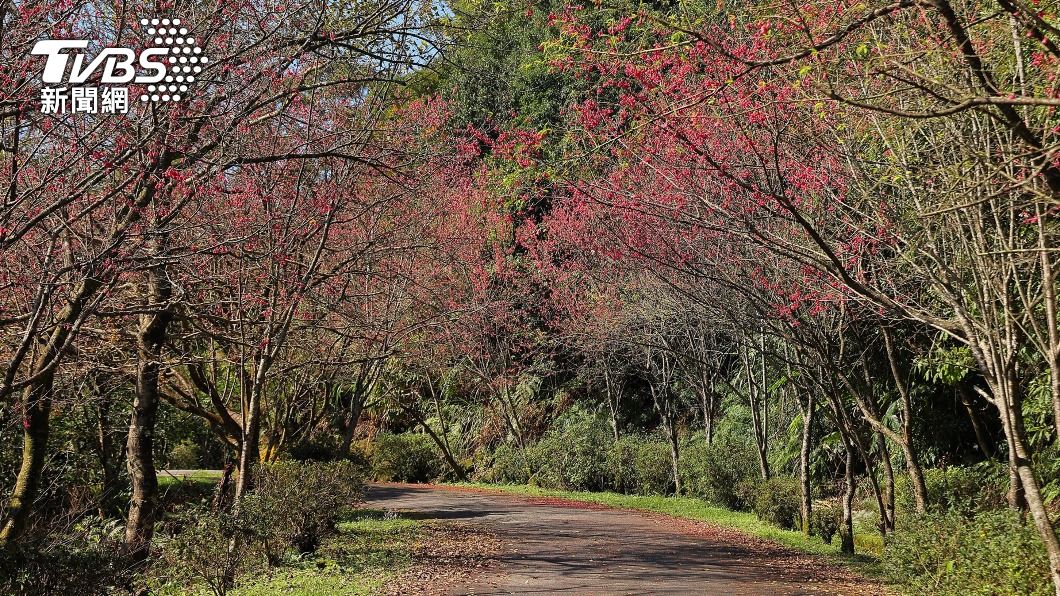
(196, 487)
(865, 561)
(195, 477)
(313, 581)
(369, 549)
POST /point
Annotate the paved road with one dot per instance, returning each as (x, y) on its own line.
(553, 547)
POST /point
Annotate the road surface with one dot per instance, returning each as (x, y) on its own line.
(553, 546)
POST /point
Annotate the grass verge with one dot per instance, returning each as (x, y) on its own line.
(165, 478)
(369, 549)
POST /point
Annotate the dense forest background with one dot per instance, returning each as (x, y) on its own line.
(790, 258)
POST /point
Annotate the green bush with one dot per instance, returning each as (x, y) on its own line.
(585, 457)
(969, 489)
(582, 455)
(184, 456)
(573, 457)
(947, 554)
(548, 461)
(620, 462)
(652, 468)
(88, 560)
(776, 501)
(824, 521)
(715, 472)
(407, 457)
(360, 458)
(509, 466)
(211, 548)
(319, 446)
(295, 504)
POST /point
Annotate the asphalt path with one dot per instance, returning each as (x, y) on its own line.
(552, 546)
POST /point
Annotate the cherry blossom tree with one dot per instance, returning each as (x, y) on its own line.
(92, 200)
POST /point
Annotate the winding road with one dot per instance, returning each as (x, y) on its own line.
(552, 546)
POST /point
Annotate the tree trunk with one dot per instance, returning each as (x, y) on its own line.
(613, 388)
(706, 403)
(1015, 496)
(459, 470)
(846, 527)
(249, 454)
(665, 410)
(1049, 302)
(806, 506)
(887, 514)
(109, 489)
(442, 445)
(143, 506)
(981, 436)
(512, 421)
(1009, 402)
(671, 433)
(916, 475)
(221, 497)
(37, 402)
(764, 398)
(614, 418)
(874, 483)
(353, 418)
(905, 439)
(757, 423)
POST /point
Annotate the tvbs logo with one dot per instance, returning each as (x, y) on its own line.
(166, 68)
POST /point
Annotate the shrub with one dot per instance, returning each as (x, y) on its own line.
(994, 552)
(652, 468)
(620, 462)
(292, 505)
(88, 560)
(776, 501)
(575, 455)
(210, 548)
(407, 457)
(319, 446)
(184, 456)
(715, 472)
(509, 466)
(573, 458)
(969, 489)
(586, 457)
(824, 521)
(583, 455)
(360, 456)
(744, 494)
(295, 504)
(548, 461)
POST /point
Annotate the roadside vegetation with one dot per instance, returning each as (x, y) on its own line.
(792, 260)
(302, 533)
(966, 537)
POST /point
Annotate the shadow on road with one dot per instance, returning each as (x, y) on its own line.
(552, 548)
